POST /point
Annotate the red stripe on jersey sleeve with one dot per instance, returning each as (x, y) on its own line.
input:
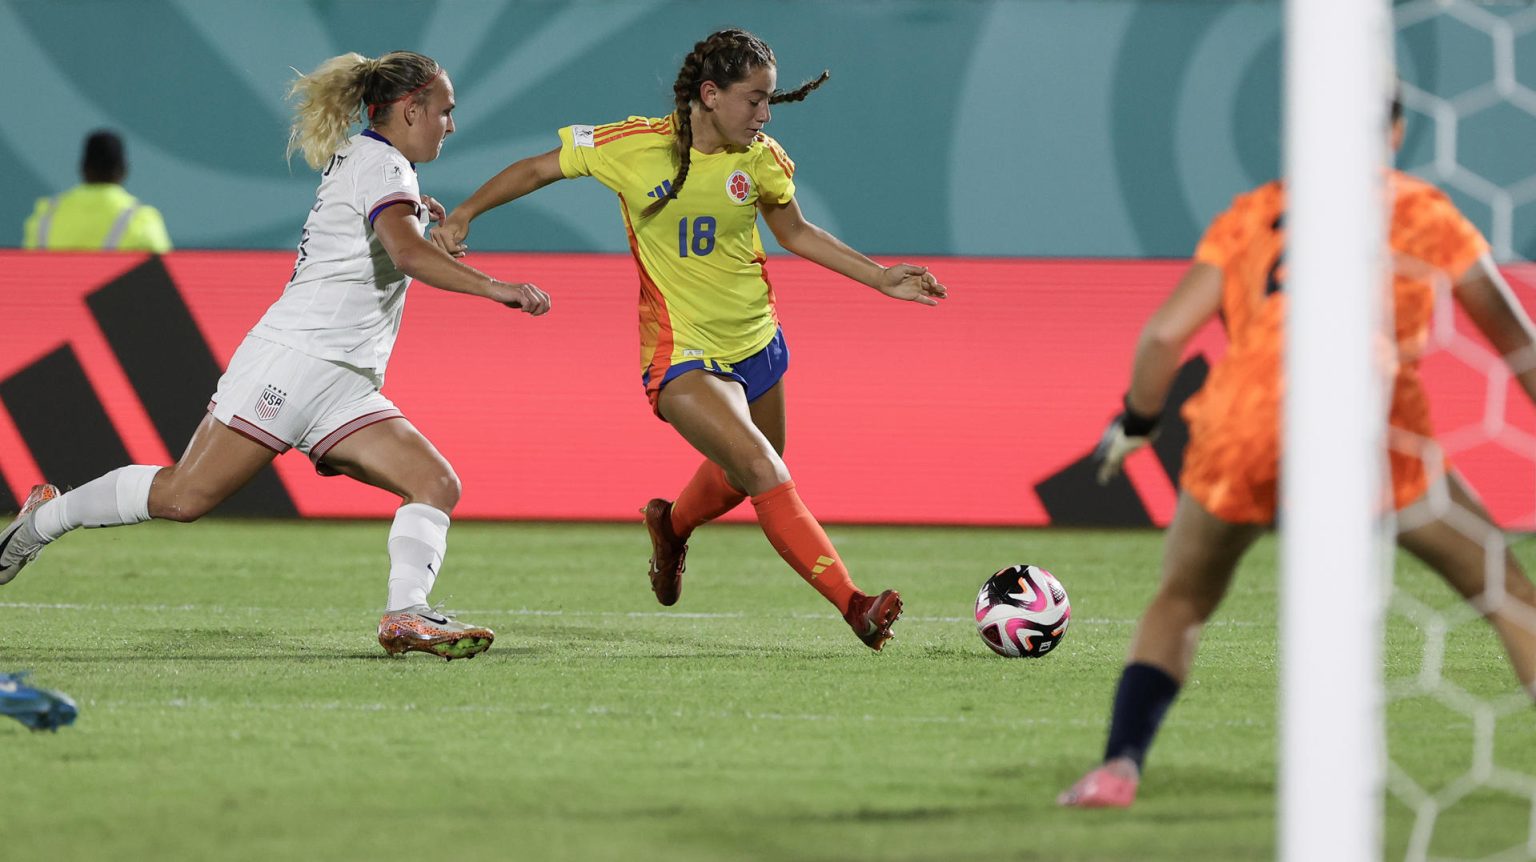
(399, 198)
(610, 128)
(610, 139)
(782, 158)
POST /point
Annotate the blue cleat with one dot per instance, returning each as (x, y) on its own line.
(37, 708)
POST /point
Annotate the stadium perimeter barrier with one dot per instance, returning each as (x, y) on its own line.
(981, 411)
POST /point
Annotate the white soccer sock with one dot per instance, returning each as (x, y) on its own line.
(120, 497)
(418, 539)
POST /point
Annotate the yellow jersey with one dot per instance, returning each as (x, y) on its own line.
(95, 217)
(704, 293)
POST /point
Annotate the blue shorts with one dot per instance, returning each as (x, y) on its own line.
(757, 373)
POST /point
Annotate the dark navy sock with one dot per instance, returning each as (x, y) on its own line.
(1141, 701)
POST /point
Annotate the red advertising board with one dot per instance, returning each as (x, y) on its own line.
(969, 413)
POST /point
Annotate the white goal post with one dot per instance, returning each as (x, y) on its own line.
(1336, 83)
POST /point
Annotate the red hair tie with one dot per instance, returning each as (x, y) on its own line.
(377, 105)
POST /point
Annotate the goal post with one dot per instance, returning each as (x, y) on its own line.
(1332, 746)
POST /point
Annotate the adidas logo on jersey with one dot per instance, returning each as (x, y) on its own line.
(660, 191)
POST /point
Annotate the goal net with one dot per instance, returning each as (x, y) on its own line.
(1405, 734)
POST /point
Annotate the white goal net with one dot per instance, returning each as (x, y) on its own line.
(1406, 735)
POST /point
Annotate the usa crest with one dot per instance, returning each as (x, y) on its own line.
(269, 403)
(739, 186)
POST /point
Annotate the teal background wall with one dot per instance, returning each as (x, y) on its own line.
(1111, 128)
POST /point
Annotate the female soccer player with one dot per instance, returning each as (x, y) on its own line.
(690, 187)
(1231, 467)
(308, 375)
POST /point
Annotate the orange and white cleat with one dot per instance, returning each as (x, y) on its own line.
(20, 544)
(871, 617)
(1105, 787)
(423, 629)
(668, 551)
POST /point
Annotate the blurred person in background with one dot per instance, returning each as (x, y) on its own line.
(691, 186)
(1228, 491)
(99, 214)
(308, 375)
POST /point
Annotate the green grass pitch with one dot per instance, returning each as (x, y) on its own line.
(234, 705)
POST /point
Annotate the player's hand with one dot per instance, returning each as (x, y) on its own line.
(1126, 433)
(912, 283)
(450, 233)
(435, 211)
(524, 297)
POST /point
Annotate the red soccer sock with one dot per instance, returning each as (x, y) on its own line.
(707, 496)
(794, 533)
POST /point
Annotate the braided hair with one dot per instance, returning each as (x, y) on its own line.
(335, 95)
(725, 58)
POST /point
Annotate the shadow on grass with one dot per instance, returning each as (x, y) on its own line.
(1170, 795)
(913, 814)
(32, 656)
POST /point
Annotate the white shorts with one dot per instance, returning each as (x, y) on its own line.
(283, 399)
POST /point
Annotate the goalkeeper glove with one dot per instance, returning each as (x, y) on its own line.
(1128, 432)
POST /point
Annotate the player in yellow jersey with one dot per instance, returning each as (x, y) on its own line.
(691, 186)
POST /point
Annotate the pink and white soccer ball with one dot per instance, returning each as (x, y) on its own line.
(1022, 612)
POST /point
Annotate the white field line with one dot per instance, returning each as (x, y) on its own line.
(599, 711)
(543, 612)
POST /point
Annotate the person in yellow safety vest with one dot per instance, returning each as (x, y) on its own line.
(99, 214)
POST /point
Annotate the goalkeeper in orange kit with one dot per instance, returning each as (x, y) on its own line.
(1230, 478)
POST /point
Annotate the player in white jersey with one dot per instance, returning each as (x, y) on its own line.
(308, 374)
(345, 298)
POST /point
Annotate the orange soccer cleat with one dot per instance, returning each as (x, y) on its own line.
(19, 543)
(423, 629)
(871, 617)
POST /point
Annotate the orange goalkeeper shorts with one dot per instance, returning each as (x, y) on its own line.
(1232, 464)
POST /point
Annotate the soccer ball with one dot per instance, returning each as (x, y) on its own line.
(1022, 611)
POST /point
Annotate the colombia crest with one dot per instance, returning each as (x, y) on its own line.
(739, 186)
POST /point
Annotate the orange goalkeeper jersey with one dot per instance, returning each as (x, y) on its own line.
(1232, 463)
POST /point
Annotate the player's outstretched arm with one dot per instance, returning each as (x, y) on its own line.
(400, 233)
(902, 281)
(522, 177)
(1496, 312)
(1194, 301)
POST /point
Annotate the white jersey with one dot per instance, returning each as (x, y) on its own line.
(345, 298)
